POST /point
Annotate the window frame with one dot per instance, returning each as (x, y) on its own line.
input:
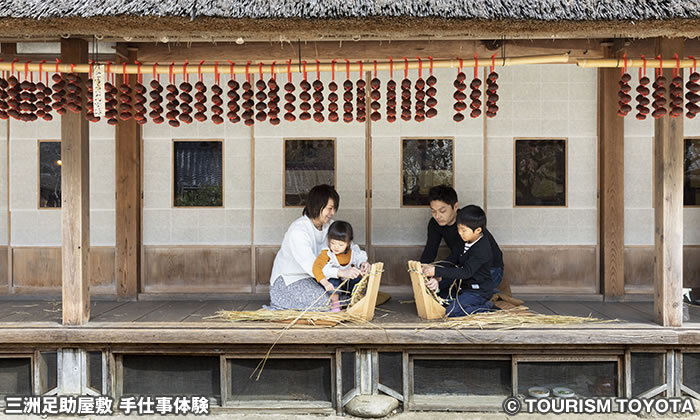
(38, 173)
(223, 173)
(689, 206)
(334, 142)
(454, 164)
(566, 173)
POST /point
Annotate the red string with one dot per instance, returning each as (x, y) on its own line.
(695, 63)
(431, 65)
(461, 64)
(375, 69)
(231, 74)
(57, 62)
(109, 64)
(644, 60)
(260, 70)
(90, 62)
(391, 67)
(677, 70)
(26, 68)
(405, 68)
(3, 73)
(155, 74)
(476, 66)
(318, 70)
(12, 71)
(347, 69)
(125, 77)
(41, 65)
(139, 76)
(199, 70)
(247, 73)
(360, 63)
(185, 76)
(493, 62)
(171, 72)
(217, 77)
(273, 75)
(624, 69)
(661, 65)
(289, 70)
(72, 68)
(304, 62)
(420, 68)
(333, 69)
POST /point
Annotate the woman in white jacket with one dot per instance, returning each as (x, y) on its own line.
(292, 283)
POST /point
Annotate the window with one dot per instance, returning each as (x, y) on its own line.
(540, 172)
(306, 163)
(426, 163)
(691, 177)
(198, 173)
(50, 174)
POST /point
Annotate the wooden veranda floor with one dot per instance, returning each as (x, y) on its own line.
(395, 323)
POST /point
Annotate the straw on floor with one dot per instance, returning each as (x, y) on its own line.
(513, 318)
(308, 317)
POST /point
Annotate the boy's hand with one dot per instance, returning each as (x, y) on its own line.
(428, 270)
(329, 287)
(349, 273)
(364, 267)
(433, 284)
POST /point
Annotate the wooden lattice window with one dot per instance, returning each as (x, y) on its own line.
(540, 172)
(567, 378)
(50, 174)
(198, 170)
(307, 163)
(691, 178)
(425, 163)
(15, 376)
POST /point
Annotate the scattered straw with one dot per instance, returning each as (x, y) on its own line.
(359, 290)
(512, 318)
(266, 315)
(430, 291)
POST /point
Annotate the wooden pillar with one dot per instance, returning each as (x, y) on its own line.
(75, 200)
(611, 145)
(128, 191)
(668, 205)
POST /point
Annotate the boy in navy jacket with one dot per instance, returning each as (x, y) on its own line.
(470, 283)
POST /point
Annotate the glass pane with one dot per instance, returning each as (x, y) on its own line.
(50, 174)
(540, 172)
(391, 371)
(348, 359)
(691, 180)
(691, 367)
(584, 379)
(463, 377)
(426, 163)
(307, 163)
(95, 370)
(171, 375)
(15, 376)
(198, 172)
(281, 379)
(647, 372)
(50, 359)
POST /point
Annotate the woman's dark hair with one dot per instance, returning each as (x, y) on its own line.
(318, 198)
(443, 193)
(472, 217)
(340, 231)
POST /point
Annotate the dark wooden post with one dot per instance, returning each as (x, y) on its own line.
(75, 200)
(668, 205)
(128, 189)
(611, 143)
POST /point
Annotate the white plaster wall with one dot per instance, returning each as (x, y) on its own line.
(3, 183)
(164, 224)
(33, 227)
(548, 101)
(271, 218)
(391, 224)
(639, 163)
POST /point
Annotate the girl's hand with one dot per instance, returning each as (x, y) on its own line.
(349, 273)
(364, 267)
(329, 287)
(432, 284)
(428, 270)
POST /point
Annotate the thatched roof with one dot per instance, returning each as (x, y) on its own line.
(545, 10)
(338, 19)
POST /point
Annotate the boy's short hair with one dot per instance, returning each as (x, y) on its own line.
(443, 193)
(317, 199)
(340, 231)
(472, 217)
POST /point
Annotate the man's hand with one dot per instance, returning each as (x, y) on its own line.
(433, 284)
(428, 270)
(364, 267)
(349, 273)
(329, 287)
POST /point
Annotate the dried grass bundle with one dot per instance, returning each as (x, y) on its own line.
(266, 315)
(513, 318)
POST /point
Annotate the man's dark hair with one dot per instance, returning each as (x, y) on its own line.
(443, 193)
(317, 199)
(340, 231)
(472, 217)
